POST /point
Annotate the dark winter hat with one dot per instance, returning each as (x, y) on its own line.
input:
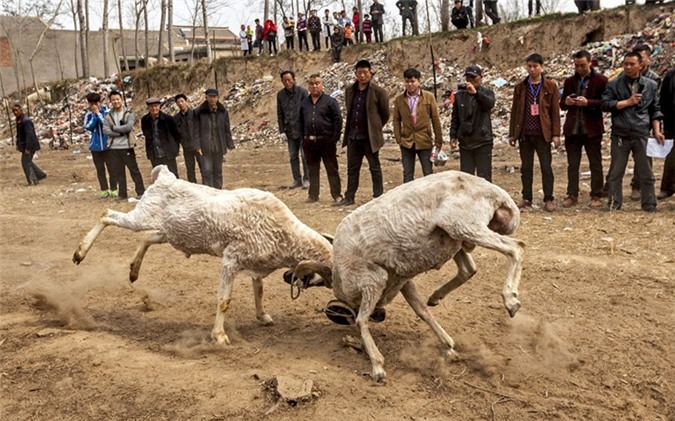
(153, 100)
(473, 71)
(212, 92)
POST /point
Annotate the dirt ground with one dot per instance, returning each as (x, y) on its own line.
(593, 340)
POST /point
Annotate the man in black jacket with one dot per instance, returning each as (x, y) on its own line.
(459, 15)
(320, 128)
(633, 101)
(184, 120)
(471, 125)
(27, 143)
(212, 138)
(667, 99)
(288, 116)
(162, 139)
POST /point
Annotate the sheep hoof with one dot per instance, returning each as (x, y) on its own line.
(451, 355)
(378, 315)
(513, 308)
(265, 319)
(220, 338)
(77, 257)
(378, 374)
(432, 302)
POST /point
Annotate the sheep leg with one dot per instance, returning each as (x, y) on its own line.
(152, 237)
(466, 268)
(369, 300)
(227, 274)
(260, 312)
(110, 217)
(509, 247)
(417, 303)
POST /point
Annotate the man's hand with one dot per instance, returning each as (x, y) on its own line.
(569, 101)
(556, 141)
(199, 151)
(634, 100)
(512, 141)
(470, 88)
(581, 101)
(659, 137)
(453, 144)
(95, 109)
(283, 137)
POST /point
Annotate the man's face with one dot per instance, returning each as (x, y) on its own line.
(116, 102)
(631, 66)
(412, 85)
(363, 75)
(95, 107)
(646, 59)
(458, 5)
(288, 81)
(534, 69)
(582, 66)
(315, 86)
(17, 111)
(182, 104)
(212, 100)
(474, 80)
(153, 109)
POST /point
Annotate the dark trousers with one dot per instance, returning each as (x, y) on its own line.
(621, 150)
(413, 24)
(460, 23)
(191, 157)
(356, 151)
(408, 158)
(477, 161)
(529, 7)
(668, 180)
(101, 163)
(290, 43)
(336, 53)
(302, 39)
(121, 159)
(296, 153)
(169, 162)
(368, 37)
(528, 146)
(212, 169)
(322, 149)
(635, 181)
(377, 30)
(316, 40)
(30, 169)
(491, 11)
(593, 147)
(272, 44)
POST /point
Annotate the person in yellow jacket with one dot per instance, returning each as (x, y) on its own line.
(417, 125)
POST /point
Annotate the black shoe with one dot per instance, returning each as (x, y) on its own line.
(311, 199)
(42, 178)
(296, 184)
(121, 198)
(650, 208)
(344, 202)
(664, 195)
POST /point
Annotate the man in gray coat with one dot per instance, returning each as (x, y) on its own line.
(367, 112)
(212, 138)
(288, 116)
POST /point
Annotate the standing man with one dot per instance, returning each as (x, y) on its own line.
(408, 11)
(98, 145)
(337, 41)
(212, 138)
(535, 124)
(302, 31)
(530, 7)
(471, 124)
(119, 126)
(667, 99)
(634, 103)
(584, 126)
(491, 11)
(288, 116)
(27, 143)
(376, 12)
(314, 27)
(162, 139)
(259, 37)
(320, 127)
(415, 118)
(184, 120)
(367, 112)
(327, 22)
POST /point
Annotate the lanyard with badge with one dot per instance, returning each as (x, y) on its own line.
(534, 108)
(412, 102)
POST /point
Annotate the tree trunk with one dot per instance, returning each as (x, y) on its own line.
(146, 32)
(161, 31)
(136, 33)
(86, 33)
(83, 42)
(209, 53)
(106, 38)
(445, 15)
(172, 55)
(73, 12)
(124, 52)
(478, 13)
(267, 10)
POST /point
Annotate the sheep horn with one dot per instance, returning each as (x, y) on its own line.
(306, 268)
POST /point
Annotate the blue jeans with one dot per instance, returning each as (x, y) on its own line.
(408, 157)
(621, 150)
(295, 152)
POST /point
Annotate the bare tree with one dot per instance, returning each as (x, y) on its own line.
(124, 52)
(138, 12)
(73, 13)
(209, 54)
(106, 38)
(83, 40)
(161, 30)
(445, 15)
(146, 32)
(172, 54)
(39, 42)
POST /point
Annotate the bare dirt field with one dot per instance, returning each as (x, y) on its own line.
(593, 340)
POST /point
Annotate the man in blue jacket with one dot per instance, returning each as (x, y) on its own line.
(98, 145)
(27, 143)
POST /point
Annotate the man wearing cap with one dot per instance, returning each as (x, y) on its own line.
(212, 138)
(367, 112)
(471, 125)
(162, 139)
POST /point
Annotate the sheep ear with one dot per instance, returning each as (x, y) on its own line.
(327, 237)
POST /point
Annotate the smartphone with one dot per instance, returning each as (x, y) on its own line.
(640, 88)
(573, 96)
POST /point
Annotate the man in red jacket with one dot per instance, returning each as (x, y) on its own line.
(581, 98)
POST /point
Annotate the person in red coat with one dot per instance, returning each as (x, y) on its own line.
(270, 35)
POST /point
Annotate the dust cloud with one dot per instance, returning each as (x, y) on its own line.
(194, 343)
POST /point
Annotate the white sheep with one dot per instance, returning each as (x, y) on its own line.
(251, 230)
(41, 95)
(418, 226)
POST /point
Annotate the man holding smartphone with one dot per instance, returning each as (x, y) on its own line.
(582, 98)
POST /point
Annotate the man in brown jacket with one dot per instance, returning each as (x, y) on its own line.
(535, 123)
(367, 111)
(415, 118)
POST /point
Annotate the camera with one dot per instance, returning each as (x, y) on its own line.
(461, 87)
